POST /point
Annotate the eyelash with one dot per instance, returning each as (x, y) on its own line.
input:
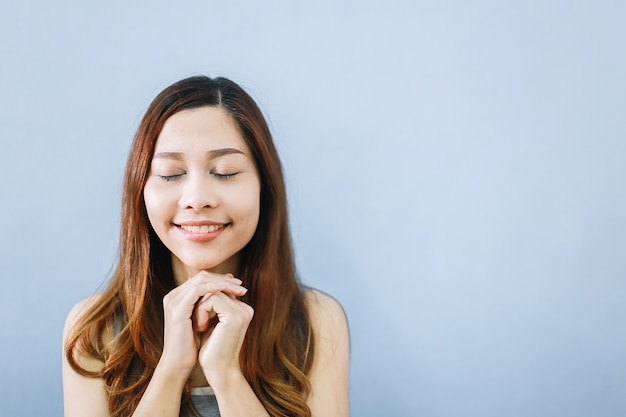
(224, 176)
(169, 178)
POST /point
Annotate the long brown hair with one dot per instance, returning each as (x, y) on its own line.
(278, 347)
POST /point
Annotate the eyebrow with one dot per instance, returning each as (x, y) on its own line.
(215, 153)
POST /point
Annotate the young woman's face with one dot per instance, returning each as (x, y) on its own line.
(203, 191)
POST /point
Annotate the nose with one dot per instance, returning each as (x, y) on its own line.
(198, 193)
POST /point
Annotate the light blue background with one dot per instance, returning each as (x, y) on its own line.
(455, 171)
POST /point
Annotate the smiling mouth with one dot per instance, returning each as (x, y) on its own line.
(202, 229)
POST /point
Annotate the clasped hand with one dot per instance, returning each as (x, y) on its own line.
(205, 324)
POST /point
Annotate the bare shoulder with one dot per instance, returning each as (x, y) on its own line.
(83, 305)
(322, 306)
(329, 372)
(77, 310)
(328, 320)
(88, 363)
(82, 395)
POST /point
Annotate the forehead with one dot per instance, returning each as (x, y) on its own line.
(203, 128)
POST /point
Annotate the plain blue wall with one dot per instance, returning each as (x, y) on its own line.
(456, 173)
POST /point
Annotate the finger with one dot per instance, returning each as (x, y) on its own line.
(202, 315)
(188, 293)
(234, 284)
(201, 319)
(180, 307)
(234, 278)
(227, 309)
(201, 284)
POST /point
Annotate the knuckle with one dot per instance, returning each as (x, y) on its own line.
(167, 300)
(249, 311)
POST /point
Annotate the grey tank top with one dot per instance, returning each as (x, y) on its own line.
(204, 402)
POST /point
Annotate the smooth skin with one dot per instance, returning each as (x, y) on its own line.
(193, 181)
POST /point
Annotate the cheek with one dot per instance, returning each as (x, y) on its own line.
(251, 220)
(155, 206)
(148, 200)
(249, 211)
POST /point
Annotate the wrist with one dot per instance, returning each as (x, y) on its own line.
(225, 378)
(172, 376)
(235, 395)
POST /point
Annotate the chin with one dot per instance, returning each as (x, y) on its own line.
(220, 266)
(186, 265)
(201, 266)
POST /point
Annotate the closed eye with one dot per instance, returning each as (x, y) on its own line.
(224, 176)
(168, 178)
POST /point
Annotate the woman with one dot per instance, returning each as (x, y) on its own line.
(204, 310)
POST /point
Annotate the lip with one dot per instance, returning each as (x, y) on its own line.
(200, 223)
(199, 236)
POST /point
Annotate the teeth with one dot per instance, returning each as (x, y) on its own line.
(202, 229)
